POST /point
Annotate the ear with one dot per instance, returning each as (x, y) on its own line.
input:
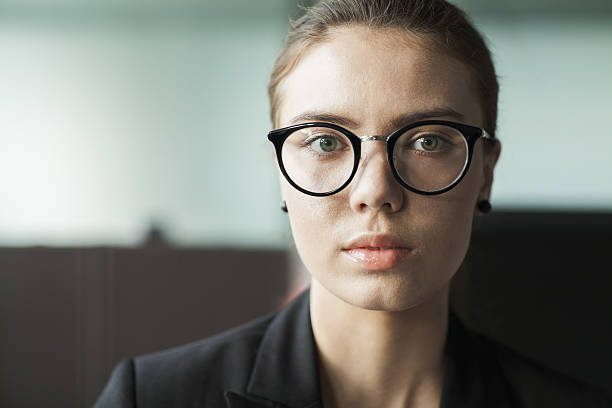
(490, 153)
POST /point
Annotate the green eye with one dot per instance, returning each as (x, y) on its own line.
(328, 144)
(427, 143)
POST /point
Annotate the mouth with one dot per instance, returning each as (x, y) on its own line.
(375, 248)
(376, 252)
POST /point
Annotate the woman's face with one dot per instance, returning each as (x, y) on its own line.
(375, 244)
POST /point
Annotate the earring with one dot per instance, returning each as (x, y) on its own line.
(484, 206)
(283, 206)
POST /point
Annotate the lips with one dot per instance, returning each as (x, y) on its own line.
(376, 252)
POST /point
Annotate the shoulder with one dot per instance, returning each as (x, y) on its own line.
(248, 363)
(229, 349)
(534, 384)
(198, 371)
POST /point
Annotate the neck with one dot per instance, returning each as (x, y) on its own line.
(378, 358)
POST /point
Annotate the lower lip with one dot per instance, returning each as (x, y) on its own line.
(377, 259)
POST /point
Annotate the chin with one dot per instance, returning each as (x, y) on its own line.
(387, 291)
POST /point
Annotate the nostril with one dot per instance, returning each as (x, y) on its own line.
(385, 206)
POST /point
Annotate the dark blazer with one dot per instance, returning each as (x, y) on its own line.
(272, 362)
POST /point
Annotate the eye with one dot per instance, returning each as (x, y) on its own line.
(428, 143)
(325, 144)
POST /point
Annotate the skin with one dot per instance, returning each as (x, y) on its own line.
(380, 334)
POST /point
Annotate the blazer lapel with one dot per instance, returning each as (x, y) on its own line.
(235, 400)
(285, 371)
(472, 377)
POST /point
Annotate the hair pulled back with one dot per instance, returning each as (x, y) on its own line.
(439, 23)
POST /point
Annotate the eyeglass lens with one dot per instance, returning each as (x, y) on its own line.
(427, 158)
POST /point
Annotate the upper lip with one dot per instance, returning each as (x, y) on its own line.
(369, 240)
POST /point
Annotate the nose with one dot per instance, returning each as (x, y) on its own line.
(374, 187)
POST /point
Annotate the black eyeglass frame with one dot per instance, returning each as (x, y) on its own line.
(470, 133)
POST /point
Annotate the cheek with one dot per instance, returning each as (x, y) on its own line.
(319, 227)
(446, 220)
(313, 223)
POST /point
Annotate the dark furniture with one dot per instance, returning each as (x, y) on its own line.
(539, 282)
(67, 316)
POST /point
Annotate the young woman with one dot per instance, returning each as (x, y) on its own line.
(385, 114)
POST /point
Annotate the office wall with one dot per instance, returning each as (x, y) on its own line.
(115, 116)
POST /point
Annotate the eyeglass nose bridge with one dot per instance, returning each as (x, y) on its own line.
(373, 137)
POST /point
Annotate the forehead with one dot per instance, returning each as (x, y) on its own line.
(373, 76)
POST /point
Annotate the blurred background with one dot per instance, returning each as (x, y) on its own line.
(138, 190)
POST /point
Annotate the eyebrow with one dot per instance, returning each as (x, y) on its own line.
(398, 122)
(320, 116)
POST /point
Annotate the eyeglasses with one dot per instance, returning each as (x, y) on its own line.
(427, 157)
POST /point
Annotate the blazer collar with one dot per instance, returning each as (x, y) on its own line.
(285, 371)
(472, 375)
